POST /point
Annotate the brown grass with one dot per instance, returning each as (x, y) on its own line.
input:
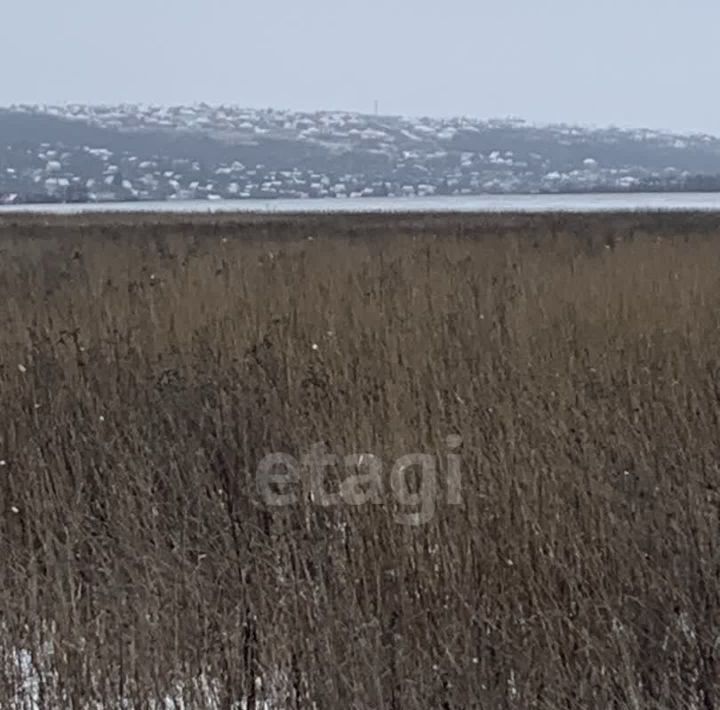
(148, 366)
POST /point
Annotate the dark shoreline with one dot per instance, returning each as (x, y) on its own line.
(302, 225)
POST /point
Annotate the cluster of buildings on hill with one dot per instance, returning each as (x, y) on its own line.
(85, 153)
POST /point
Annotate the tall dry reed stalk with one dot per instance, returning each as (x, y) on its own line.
(147, 367)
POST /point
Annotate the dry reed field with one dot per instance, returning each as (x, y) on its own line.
(149, 365)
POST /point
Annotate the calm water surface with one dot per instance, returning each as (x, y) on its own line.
(483, 203)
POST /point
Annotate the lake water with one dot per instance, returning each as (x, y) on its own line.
(482, 203)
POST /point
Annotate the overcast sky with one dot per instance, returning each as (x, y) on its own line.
(649, 63)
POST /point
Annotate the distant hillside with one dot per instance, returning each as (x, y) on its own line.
(86, 153)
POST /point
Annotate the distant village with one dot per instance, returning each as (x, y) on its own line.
(80, 153)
